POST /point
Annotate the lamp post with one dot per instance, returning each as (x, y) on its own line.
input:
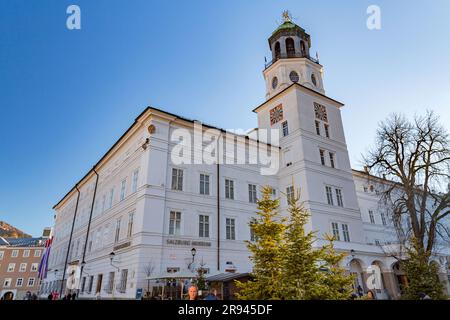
(111, 258)
(193, 253)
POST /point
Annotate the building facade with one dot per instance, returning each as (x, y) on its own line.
(19, 263)
(149, 210)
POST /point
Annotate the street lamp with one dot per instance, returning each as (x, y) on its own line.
(111, 258)
(193, 252)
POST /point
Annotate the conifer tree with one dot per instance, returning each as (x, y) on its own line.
(422, 275)
(268, 229)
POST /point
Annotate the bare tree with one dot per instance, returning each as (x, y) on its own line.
(149, 268)
(413, 157)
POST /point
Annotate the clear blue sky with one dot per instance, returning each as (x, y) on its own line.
(66, 96)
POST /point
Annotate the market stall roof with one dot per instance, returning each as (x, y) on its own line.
(183, 274)
(224, 277)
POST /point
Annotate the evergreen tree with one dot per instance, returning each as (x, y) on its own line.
(338, 283)
(301, 275)
(268, 229)
(422, 275)
(310, 272)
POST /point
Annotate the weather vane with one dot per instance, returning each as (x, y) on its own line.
(286, 16)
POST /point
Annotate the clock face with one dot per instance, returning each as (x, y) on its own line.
(274, 82)
(294, 76)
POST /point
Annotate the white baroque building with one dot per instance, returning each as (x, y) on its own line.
(139, 204)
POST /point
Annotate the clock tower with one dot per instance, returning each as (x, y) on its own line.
(313, 149)
(291, 60)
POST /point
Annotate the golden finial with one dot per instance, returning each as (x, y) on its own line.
(286, 16)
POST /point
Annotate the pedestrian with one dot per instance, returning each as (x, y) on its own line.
(360, 291)
(370, 295)
(34, 296)
(193, 292)
(212, 295)
(50, 296)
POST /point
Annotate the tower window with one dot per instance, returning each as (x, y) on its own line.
(318, 127)
(285, 128)
(327, 130)
(302, 47)
(277, 50)
(274, 82)
(290, 49)
(294, 76)
(313, 80)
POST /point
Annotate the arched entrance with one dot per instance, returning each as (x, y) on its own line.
(356, 270)
(376, 279)
(400, 276)
(8, 296)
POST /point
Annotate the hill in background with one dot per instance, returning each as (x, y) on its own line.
(8, 231)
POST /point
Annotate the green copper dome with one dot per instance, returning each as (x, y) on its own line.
(286, 25)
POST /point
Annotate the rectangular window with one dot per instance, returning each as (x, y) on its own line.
(19, 282)
(14, 253)
(130, 224)
(229, 189)
(109, 288)
(117, 234)
(123, 281)
(91, 283)
(175, 223)
(329, 193)
(252, 193)
(377, 242)
(203, 226)
(31, 282)
(7, 282)
(371, 217)
(332, 160)
(34, 267)
(318, 128)
(335, 229)
(23, 267)
(134, 184)
(345, 233)
(111, 197)
(204, 184)
(11, 267)
(274, 192)
(327, 130)
(26, 253)
(285, 128)
(290, 196)
(230, 229)
(177, 179)
(37, 253)
(83, 284)
(104, 203)
(122, 189)
(383, 219)
(322, 156)
(2, 253)
(252, 234)
(340, 200)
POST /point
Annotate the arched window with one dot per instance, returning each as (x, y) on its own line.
(302, 48)
(313, 80)
(290, 48)
(277, 50)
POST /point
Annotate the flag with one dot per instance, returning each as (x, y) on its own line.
(43, 265)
